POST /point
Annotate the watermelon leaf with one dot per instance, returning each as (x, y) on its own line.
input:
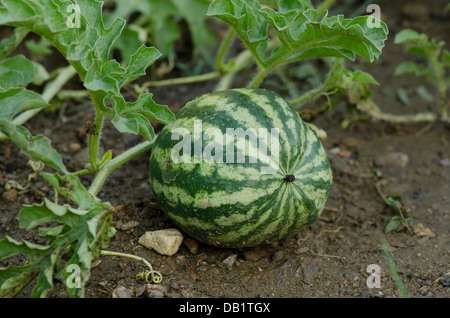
(77, 230)
(437, 59)
(135, 117)
(300, 31)
(16, 71)
(38, 147)
(17, 100)
(8, 45)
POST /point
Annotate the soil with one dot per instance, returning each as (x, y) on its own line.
(328, 259)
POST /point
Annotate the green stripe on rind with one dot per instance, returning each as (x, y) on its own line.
(234, 205)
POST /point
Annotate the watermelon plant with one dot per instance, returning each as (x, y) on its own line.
(229, 204)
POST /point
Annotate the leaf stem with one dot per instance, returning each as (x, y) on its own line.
(297, 103)
(327, 88)
(118, 161)
(223, 49)
(240, 62)
(94, 139)
(440, 85)
(181, 80)
(272, 63)
(369, 107)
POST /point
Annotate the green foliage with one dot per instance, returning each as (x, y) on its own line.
(435, 65)
(300, 30)
(87, 48)
(81, 231)
(74, 233)
(159, 24)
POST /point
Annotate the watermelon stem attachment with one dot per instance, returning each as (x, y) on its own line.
(289, 178)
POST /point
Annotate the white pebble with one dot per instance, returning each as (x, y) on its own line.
(164, 242)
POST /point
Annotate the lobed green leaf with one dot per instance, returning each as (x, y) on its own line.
(300, 30)
(87, 46)
(135, 117)
(16, 100)
(37, 147)
(71, 187)
(9, 44)
(82, 231)
(16, 71)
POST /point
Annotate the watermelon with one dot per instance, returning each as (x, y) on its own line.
(240, 168)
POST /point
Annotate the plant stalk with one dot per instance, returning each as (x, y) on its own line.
(182, 80)
(441, 86)
(118, 161)
(94, 136)
(369, 107)
(297, 103)
(223, 49)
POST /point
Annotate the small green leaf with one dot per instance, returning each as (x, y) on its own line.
(402, 96)
(446, 58)
(16, 100)
(423, 92)
(106, 158)
(39, 48)
(37, 147)
(363, 77)
(407, 36)
(135, 117)
(392, 225)
(194, 13)
(71, 187)
(419, 44)
(16, 71)
(9, 44)
(140, 61)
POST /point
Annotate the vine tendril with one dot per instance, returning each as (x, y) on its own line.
(150, 276)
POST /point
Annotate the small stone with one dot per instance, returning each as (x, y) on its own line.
(278, 256)
(140, 291)
(75, 147)
(128, 226)
(155, 290)
(230, 260)
(345, 154)
(445, 162)
(423, 172)
(445, 280)
(349, 142)
(191, 244)
(302, 250)
(255, 254)
(164, 242)
(10, 195)
(421, 230)
(121, 292)
(394, 159)
(186, 293)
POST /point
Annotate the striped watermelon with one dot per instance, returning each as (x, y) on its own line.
(230, 202)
